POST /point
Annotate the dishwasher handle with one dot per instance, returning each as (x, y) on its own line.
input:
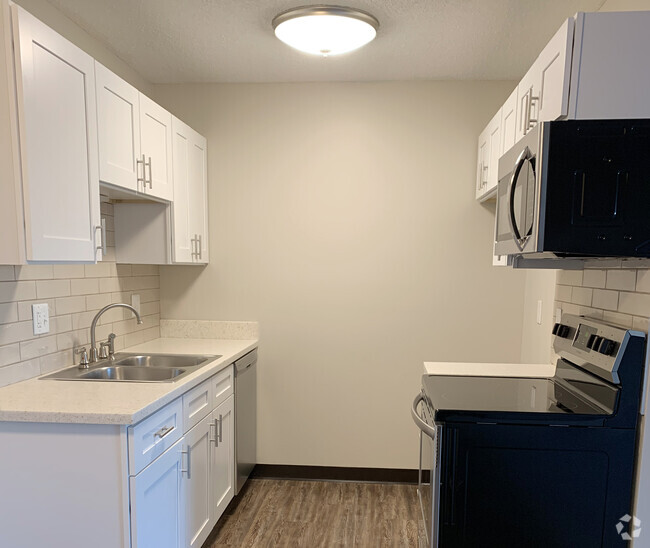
(243, 363)
(428, 430)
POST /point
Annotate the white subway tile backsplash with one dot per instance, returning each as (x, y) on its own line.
(34, 272)
(61, 324)
(637, 304)
(84, 286)
(624, 280)
(68, 271)
(17, 291)
(581, 295)
(25, 308)
(605, 299)
(99, 270)
(109, 285)
(9, 354)
(6, 273)
(72, 339)
(55, 361)
(617, 318)
(643, 281)
(15, 332)
(640, 324)
(37, 347)
(70, 305)
(8, 312)
(594, 278)
(19, 372)
(570, 277)
(100, 300)
(563, 293)
(52, 288)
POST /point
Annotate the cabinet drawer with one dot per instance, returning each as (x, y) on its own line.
(151, 437)
(222, 386)
(197, 403)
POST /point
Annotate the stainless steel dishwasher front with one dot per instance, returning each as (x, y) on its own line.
(245, 417)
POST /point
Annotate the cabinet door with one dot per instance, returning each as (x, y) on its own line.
(223, 458)
(157, 502)
(489, 153)
(190, 195)
(554, 68)
(118, 127)
(58, 138)
(509, 123)
(198, 513)
(156, 149)
(527, 102)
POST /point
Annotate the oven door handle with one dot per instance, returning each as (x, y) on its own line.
(428, 430)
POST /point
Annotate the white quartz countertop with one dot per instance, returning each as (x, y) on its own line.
(534, 370)
(89, 402)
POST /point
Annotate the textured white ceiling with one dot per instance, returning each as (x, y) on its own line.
(180, 41)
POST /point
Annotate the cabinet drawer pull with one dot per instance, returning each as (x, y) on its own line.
(186, 470)
(220, 428)
(163, 432)
(150, 174)
(213, 424)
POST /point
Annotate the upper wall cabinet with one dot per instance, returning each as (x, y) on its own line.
(57, 133)
(135, 138)
(189, 210)
(489, 151)
(543, 93)
(118, 122)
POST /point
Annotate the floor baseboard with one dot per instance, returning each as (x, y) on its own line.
(335, 473)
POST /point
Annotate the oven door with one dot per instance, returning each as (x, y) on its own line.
(429, 472)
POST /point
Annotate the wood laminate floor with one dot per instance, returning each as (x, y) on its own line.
(275, 513)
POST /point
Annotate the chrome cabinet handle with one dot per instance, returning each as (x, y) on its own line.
(532, 100)
(140, 179)
(428, 430)
(211, 439)
(163, 432)
(186, 470)
(220, 429)
(195, 246)
(150, 173)
(200, 252)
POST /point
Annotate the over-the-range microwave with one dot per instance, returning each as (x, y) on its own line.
(576, 189)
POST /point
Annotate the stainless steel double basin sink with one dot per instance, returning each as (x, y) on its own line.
(136, 368)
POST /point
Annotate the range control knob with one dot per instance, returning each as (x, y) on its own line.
(561, 330)
(607, 347)
(592, 341)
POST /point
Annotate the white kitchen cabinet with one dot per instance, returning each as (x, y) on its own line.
(57, 130)
(196, 483)
(543, 93)
(489, 151)
(156, 149)
(223, 457)
(135, 138)
(158, 502)
(189, 209)
(509, 123)
(118, 123)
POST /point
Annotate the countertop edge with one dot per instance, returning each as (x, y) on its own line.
(127, 419)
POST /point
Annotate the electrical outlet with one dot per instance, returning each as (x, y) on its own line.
(135, 301)
(41, 318)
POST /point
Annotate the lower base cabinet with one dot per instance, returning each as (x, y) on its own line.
(161, 483)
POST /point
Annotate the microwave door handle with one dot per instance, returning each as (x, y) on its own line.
(525, 155)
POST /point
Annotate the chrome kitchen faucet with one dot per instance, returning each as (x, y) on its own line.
(94, 354)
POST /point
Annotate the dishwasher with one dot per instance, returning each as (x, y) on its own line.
(245, 417)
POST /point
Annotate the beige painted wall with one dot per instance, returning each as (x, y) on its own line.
(73, 32)
(343, 219)
(625, 5)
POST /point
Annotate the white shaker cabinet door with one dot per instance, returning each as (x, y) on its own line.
(58, 138)
(156, 150)
(554, 67)
(508, 123)
(198, 514)
(157, 502)
(223, 457)
(118, 125)
(190, 195)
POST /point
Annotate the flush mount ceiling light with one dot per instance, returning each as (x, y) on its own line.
(325, 30)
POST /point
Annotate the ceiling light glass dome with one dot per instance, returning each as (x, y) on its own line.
(325, 30)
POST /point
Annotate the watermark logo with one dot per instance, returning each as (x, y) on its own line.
(633, 525)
